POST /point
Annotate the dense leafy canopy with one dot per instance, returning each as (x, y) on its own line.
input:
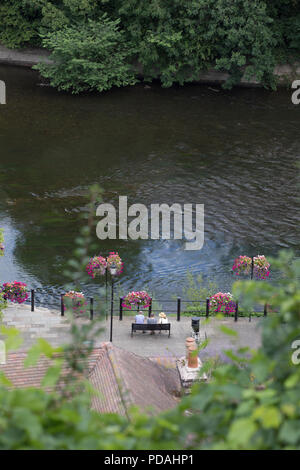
(166, 39)
(91, 56)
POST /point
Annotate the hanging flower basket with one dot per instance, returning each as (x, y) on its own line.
(96, 266)
(75, 301)
(222, 303)
(261, 267)
(15, 291)
(115, 258)
(139, 299)
(242, 265)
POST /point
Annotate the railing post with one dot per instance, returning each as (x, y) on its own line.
(252, 267)
(121, 309)
(91, 308)
(236, 311)
(32, 300)
(207, 307)
(62, 312)
(178, 308)
(265, 310)
(150, 308)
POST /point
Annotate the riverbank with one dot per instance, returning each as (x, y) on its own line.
(31, 56)
(23, 57)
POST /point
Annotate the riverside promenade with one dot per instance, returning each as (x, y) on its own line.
(50, 325)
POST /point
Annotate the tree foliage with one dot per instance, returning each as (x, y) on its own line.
(254, 403)
(92, 56)
(166, 39)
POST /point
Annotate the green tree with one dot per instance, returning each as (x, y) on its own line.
(22, 21)
(169, 40)
(92, 56)
(196, 290)
(176, 40)
(241, 37)
(18, 24)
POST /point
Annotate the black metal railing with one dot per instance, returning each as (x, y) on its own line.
(178, 310)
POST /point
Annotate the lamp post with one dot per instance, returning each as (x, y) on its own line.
(106, 293)
(113, 272)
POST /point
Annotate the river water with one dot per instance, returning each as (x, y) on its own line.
(234, 151)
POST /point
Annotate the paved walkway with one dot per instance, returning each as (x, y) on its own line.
(48, 324)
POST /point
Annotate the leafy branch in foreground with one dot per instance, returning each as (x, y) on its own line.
(2, 300)
(253, 402)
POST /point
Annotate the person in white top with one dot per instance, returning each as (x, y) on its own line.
(163, 318)
(139, 318)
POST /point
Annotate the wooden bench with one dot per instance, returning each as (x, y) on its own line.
(151, 327)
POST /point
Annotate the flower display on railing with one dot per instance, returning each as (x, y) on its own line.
(222, 303)
(76, 301)
(139, 299)
(114, 257)
(15, 291)
(242, 265)
(96, 266)
(261, 267)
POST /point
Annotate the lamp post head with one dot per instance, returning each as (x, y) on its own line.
(113, 269)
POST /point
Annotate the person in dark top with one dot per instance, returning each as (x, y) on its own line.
(150, 321)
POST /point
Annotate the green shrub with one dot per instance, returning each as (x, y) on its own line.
(175, 40)
(89, 56)
(22, 21)
(168, 38)
(241, 37)
(18, 25)
(194, 290)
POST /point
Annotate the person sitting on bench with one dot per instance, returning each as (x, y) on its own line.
(150, 321)
(139, 318)
(163, 318)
